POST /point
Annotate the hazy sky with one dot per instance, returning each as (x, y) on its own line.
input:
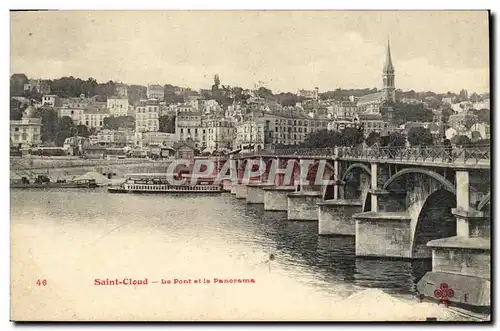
(437, 51)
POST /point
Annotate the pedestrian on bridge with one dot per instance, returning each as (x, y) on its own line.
(447, 148)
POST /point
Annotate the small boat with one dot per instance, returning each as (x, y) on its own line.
(158, 183)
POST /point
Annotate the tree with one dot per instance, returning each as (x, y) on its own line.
(167, 123)
(403, 113)
(322, 138)
(483, 115)
(104, 91)
(287, 99)
(89, 86)
(82, 130)
(469, 120)
(445, 114)
(396, 139)
(419, 136)
(460, 140)
(136, 93)
(434, 102)
(341, 94)
(17, 82)
(237, 93)
(351, 136)
(16, 110)
(264, 93)
(50, 124)
(373, 137)
(65, 130)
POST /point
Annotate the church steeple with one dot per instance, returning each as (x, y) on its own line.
(388, 67)
(388, 84)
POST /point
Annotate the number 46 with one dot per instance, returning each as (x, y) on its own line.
(42, 282)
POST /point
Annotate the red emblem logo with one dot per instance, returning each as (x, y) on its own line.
(443, 293)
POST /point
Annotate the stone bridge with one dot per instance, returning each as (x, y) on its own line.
(407, 203)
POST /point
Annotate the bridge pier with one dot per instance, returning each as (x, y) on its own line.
(462, 261)
(276, 197)
(303, 206)
(227, 185)
(241, 191)
(383, 228)
(335, 216)
(255, 192)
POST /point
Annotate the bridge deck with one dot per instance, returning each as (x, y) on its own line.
(468, 157)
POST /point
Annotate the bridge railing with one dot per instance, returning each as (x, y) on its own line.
(435, 153)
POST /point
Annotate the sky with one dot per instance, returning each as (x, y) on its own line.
(436, 51)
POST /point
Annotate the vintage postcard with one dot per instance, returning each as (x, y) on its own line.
(250, 166)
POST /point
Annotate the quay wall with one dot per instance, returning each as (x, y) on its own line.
(60, 167)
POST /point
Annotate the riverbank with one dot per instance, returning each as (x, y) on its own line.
(40, 162)
(64, 166)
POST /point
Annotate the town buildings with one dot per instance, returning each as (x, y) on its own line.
(344, 110)
(217, 133)
(184, 149)
(188, 124)
(38, 86)
(483, 104)
(147, 115)
(372, 123)
(113, 138)
(155, 91)
(260, 129)
(464, 119)
(51, 100)
(155, 139)
(27, 132)
(251, 121)
(94, 118)
(314, 94)
(121, 90)
(87, 115)
(76, 145)
(117, 106)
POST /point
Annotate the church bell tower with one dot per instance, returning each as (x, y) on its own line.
(388, 86)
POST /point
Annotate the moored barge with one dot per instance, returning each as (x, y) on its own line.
(158, 183)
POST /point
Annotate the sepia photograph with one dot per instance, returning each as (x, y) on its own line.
(250, 166)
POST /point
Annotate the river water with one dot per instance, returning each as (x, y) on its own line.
(72, 237)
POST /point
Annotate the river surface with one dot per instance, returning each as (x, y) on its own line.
(72, 237)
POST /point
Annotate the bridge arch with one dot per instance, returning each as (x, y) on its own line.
(356, 165)
(484, 201)
(446, 184)
(432, 219)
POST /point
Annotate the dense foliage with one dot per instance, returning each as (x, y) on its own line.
(419, 136)
(167, 123)
(403, 113)
(324, 138)
(372, 138)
